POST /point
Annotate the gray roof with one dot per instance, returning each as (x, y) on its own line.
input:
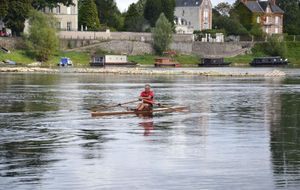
(274, 8)
(254, 6)
(261, 6)
(188, 3)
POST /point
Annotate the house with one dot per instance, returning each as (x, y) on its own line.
(266, 14)
(67, 16)
(193, 15)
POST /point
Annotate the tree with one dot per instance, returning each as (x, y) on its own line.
(140, 5)
(153, 9)
(162, 34)
(109, 14)
(168, 8)
(291, 21)
(39, 4)
(3, 8)
(42, 39)
(88, 15)
(223, 8)
(17, 13)
(133, 20)
(230, 25)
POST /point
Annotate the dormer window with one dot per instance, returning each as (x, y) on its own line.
(197, 3)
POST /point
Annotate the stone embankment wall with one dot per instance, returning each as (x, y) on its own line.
(140, 43)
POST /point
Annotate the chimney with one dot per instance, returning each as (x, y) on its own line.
(272, 2)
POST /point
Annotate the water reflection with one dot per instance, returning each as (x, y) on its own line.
(285, 142)
(240, 132)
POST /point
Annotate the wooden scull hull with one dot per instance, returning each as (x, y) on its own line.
(166, 109)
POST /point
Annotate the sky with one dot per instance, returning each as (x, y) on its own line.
(124, 4)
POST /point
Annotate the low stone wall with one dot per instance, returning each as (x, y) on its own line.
(10, 43)
(205, 49)
(119, 47)
(85, 35)
(124, 36)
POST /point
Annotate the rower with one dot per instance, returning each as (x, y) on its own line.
(147, 97)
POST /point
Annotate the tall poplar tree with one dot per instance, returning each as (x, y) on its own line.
(153, 9)
(162, 34)
(88, 15)
(109, 14)
(134, 21)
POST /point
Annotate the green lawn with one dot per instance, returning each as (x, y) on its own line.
(18, 56)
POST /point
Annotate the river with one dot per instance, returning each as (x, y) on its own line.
(240, 133)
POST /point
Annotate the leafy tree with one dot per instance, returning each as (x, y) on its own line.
(3, 8)
(140, 5)
(291, 21)
(223, 8)
(42, 39)
(39, 4)
(18, 11)
(153, 9)
(168, 8)
(257, 31)
(162, 34)
(231, 26)
(88, 16)
(109, 14)
(133, 20)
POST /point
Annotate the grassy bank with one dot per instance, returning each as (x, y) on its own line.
(82, 59)
(293, 55)
(22, 58)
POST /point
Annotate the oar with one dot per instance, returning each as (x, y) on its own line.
(116, 105)
(161, 105)
(169, 107)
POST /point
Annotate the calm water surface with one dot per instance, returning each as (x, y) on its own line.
(240, 133)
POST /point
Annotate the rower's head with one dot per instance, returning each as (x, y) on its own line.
(147, 87)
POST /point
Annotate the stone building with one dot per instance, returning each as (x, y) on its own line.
(193, 15)
(67, 16)
(264, 13)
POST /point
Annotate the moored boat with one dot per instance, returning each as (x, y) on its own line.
(135, 112)
(268, 62)
(213, 62)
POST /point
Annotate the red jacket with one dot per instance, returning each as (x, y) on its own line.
(147, 94)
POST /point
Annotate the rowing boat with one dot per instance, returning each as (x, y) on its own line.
(166, 109)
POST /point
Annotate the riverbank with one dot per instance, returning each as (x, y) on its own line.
(148, 71)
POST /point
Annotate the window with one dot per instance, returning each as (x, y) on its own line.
(276, 31)
(258, 20)
(267, 30)
(276, 20)
(68, 10)
(58, 9)
(69, 26)
(58, 25)
(267, 20)
(182, 12)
